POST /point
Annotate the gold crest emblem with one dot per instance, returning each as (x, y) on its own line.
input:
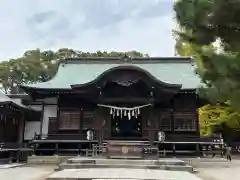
(124, 150)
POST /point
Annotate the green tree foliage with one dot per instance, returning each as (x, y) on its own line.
(40, 66)
(201, 24)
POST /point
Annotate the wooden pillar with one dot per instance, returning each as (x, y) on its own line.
(198, 150)
(98, 124)
(197, 118)
(41, 120)
(172, 115)
(151, 126)
(56, 149)
(21, 124)
(174, 150)
(1, 126)
(107, 129)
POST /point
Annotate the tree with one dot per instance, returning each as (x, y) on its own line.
(40, 66)
(209, 117)
(201, 24)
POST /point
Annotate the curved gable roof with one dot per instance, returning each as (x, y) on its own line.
(82, 71)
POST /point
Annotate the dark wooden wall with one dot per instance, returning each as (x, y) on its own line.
(10, 124)
(160, 117)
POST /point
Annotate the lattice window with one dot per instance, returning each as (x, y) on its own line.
(87, 120)
(184, 121)
(165, 121)
(52, 125)
(69, 120)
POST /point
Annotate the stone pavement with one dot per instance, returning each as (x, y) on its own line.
(13, 165)
(121, 173)
(220, 173)
(208, 169)
(25, 173)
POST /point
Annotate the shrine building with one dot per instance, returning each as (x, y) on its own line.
(116, 102)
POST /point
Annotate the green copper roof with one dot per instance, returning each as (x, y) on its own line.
(169, 70)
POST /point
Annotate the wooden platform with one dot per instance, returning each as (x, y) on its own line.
(125, 149)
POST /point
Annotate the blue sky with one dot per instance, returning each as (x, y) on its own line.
(87, 25)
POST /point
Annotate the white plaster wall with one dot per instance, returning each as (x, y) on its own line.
(31, 127)
(36, 107)
(49, 111)
(50, 100)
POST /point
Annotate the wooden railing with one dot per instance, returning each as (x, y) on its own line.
(17, 152)
(58, 136)
(189, 138)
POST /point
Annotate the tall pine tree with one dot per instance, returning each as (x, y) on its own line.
(202, 23)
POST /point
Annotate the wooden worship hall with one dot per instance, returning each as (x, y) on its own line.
(119, 107)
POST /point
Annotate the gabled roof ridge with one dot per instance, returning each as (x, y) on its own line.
(126, 60)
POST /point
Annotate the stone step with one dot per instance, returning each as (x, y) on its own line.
(212, 160)
(131, 166)
(47, 159)
(121, 174)
(166, 161)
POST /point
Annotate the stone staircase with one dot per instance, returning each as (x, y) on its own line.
(161, 164)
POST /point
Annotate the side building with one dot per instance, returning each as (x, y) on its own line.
(13, 118)
(150, 101)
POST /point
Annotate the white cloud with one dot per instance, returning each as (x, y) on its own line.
(91, 25)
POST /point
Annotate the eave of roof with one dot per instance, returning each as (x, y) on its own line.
(172, 70)
(5, 99)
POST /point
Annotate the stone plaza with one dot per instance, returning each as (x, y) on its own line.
(205, 169)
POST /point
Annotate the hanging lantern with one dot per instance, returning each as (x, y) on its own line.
(117, 112)
(121, 113)
(111, 111)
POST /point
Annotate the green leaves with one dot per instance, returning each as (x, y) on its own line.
(202, 22)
